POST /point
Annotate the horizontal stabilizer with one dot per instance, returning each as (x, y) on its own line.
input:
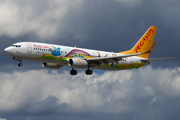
(155, 59)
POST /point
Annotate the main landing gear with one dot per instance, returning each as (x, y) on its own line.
(20, 64)
(88, 72)
(73, 72)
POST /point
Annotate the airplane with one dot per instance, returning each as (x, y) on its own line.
(55, 56)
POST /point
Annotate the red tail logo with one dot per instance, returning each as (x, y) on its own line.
(144, 39)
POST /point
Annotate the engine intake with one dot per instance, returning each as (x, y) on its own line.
(77, 62)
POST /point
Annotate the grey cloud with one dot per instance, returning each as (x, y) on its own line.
(49, 105)
(136, 94)
(30, 18)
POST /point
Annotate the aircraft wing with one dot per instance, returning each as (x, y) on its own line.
(106, 60)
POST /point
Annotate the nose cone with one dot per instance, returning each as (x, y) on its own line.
(8, 50)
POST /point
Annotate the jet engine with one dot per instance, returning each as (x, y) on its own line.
(78, 63)
(51, 65)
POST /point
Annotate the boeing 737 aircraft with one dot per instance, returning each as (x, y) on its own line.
(56, 56)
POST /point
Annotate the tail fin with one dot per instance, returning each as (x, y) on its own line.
(144, 43)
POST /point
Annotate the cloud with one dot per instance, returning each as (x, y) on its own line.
(139, 93)
(24, 17)
(50, 105)
(2, 119)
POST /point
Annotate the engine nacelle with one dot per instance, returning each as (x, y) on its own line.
(51, 65)
(78, 63)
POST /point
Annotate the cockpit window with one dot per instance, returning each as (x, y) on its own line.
(16, 45)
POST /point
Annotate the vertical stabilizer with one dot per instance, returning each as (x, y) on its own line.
(144, 43)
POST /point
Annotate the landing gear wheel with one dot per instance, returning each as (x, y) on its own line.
(89, 72)
(17, 59)
(20, 64)
(73, 72)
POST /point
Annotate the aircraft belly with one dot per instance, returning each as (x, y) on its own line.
(43, 60)
(108, 68)
(119, 66)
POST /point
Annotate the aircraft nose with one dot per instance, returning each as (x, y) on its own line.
(7, 50)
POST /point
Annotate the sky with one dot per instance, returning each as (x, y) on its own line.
(34, 93)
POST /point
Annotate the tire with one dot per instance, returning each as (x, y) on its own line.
(20, 64)
(73, 72)
(89, 72)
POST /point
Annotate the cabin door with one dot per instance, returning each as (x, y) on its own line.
(29, 48)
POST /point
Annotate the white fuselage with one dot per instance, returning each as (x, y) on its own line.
(58, 54)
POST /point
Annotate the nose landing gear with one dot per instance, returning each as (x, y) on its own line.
(20, 64)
